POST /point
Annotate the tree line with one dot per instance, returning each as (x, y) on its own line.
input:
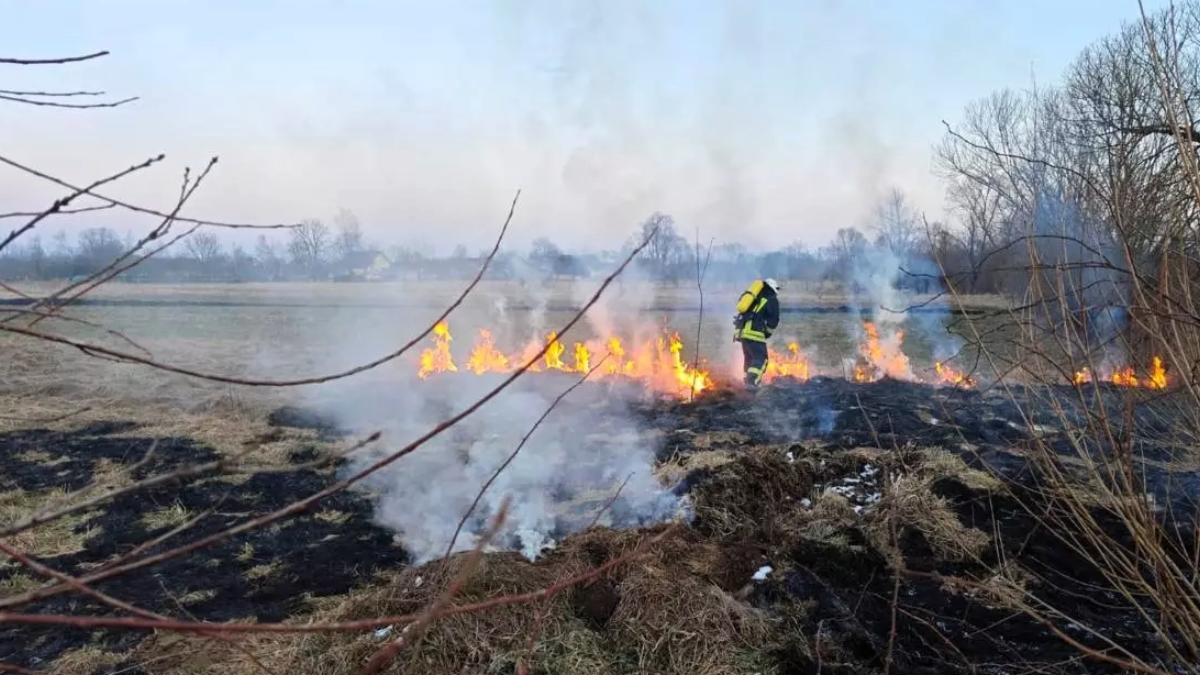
(315, 250)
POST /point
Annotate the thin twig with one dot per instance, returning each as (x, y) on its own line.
(140, 209)
(52, 61)
(60, 212)
(76, 193)
(700, 272)
(76, 106)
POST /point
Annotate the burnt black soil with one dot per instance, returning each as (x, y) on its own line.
(836, 590)
(939, 630)
(264, 575)
(944, 631)
(984, 427)
(843, 591)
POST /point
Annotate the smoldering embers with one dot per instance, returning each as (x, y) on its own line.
(586, 451)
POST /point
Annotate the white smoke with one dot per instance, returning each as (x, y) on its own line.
(876, 272)
(591, 444)
(876, 276)
(572, 465)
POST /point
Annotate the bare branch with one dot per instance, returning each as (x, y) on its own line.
(65, 201)
(53, 61)
(77, 106)
(60, 212)
(51, 94)
(138, 209)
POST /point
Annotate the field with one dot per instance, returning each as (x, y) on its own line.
(822, 526)
(291, 330)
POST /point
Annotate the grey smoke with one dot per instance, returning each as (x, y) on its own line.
(878, 272)
(826, 418)
(571, 466)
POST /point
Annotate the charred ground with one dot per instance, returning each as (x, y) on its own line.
(869, 503)
(266, 575)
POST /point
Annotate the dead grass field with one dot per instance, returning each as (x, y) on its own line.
(820, 521)
(70, 420)
(439, 293)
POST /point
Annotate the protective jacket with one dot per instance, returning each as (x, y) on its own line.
(757, 313)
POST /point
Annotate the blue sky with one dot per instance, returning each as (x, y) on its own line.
(765, 122)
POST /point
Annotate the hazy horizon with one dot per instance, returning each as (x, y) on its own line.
(764, 124)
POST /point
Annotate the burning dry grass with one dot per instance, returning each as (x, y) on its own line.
(262, 340)
(662, 363)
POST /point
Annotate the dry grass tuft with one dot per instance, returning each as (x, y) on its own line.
(86, 661)
(752, 490)
(829, 521)
(59, 537)
(909, 504)
(677, 467)
(935, 463)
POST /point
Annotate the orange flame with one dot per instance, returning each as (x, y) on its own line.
(881, 358)
(659, 364)
(948, 375)
(438, 358)
(1127, 377)
(485, 356)
(794, 364)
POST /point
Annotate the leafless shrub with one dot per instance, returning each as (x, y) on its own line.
(1084, 197)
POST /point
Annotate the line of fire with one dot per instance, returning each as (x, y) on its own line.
(662, 365)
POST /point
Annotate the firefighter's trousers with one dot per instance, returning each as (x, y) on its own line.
(754, 361)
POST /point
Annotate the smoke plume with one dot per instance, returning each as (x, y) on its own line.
(567, 474)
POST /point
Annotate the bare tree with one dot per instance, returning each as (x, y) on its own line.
(241, 263)
(668, 250)
(309, 246)
(204, 248)
(896, 224)
(349, 238)
(97, 246)
(269, 258)
(62, 245)
(544, 252)
(848, 244)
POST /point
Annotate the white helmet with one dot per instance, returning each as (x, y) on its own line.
(775, 285)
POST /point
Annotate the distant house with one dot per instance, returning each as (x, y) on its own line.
(364, 265)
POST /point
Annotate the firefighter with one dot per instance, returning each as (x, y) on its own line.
(757, 317)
